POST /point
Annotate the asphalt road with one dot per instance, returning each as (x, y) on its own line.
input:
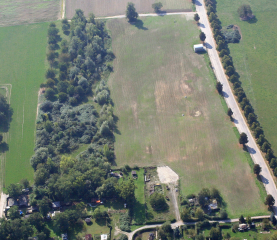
(180, 223)
(239, 121)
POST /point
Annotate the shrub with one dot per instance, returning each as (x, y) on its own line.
(158, 202)
(49, 94)
(125, 222)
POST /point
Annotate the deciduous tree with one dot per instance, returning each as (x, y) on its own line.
(243, 139)
(270, 201)
(131, 13)
(202, 36)
(157, 6)
(257, 169)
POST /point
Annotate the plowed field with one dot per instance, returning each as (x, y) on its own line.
(102, 8)
(170, 114)
(16, 12)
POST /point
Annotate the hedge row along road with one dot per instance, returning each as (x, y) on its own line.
(231, 102)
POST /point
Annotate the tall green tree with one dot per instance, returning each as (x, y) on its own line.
(257, 169)
(157, 7)
(14, 190)
(196, 17)
(202, 36)
(270, 201)
(243, 139)
(131, 13)
(219, 87)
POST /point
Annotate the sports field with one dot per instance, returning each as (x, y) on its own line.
(22, 63)
(255, 58)
(157, 78)
(103, 8)
(15, 12)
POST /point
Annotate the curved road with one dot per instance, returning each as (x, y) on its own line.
(231, 102)
(180, 223)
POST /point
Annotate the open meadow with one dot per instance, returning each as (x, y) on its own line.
(255, 58)
(22, 63)
(170, 113)
(15, 12)
(103, 8)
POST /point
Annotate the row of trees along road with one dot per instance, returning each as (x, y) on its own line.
(233, 77)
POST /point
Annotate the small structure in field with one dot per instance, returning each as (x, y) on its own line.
(213, 205)
(88, 237)
(104, 236)
(134, 174)
(56, 205)
(243, 227)
(199, 48)
(12, 202)
(88, 220)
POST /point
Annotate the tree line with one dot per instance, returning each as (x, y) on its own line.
(233, 77)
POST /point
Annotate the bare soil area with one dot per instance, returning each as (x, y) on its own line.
(167, 175)
(103, 8)
(17, 12)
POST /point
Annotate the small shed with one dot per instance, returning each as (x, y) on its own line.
(104, 236)
(213, 205)
(88, 220)
(56, 204)
(134, 173)
(198, 48)
(88, 237)
(12, 202)
(116, 175)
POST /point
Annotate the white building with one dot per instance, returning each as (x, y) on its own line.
(199, 48)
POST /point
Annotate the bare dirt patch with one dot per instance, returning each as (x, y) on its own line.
(167, 175)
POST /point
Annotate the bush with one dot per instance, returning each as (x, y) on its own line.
(158, 202)
(125, 222)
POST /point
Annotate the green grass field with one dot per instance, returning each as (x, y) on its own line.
(156, 79)
(255, 58)
(22, 61)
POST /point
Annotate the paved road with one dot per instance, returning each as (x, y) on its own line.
(231, 102)
(150, 15)
(180, 223)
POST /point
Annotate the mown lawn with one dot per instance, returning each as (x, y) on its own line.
(170, 113)
(22, 60)
(255, 58)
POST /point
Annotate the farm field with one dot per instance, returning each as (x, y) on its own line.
(15, 12)
(102, 8)
(156, 79)
(255, 58)
(22, 62)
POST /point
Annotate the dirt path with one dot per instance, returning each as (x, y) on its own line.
(152, 15)
(62, 9)
(2, 204)
(39, 93)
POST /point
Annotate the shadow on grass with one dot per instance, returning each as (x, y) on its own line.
(138, 212)
(139, 24)
(252, 20)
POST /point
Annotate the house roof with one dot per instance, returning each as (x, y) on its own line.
(12, 202)
(134, 172)
(88, 220)
(88, 237)
(23, 200)
(56, 204)
(104, 236)
(198, 46)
